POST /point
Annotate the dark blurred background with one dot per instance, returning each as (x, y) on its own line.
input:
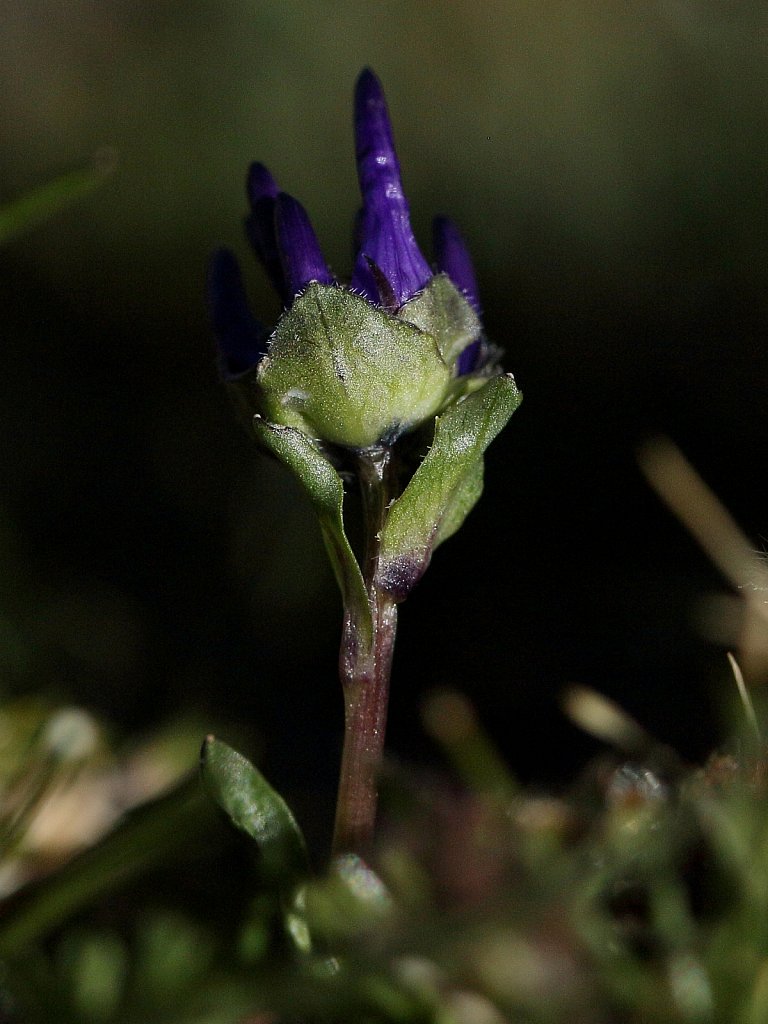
(607, 162)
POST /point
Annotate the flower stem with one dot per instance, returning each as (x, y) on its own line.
(365, 671)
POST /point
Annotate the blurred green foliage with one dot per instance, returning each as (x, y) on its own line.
(638, 897)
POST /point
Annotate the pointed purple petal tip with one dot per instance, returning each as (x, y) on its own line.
(377, 163)
(240, 339)
(301, 258)
(260, 184)
(260, 223)
(386, 236)
(452, 258)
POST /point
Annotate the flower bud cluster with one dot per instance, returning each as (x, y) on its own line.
(352, 365)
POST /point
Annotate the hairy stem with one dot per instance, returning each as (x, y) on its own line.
(365, 672)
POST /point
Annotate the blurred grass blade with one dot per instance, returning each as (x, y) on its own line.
(145, 838)
(41, 203)
(697, 507)
(253, 806)
(605, 720)
(450, 720)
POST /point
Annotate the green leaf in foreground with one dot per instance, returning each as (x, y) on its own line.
(253, 806)
(41, 203)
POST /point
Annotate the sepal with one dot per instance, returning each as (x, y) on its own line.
(442, 311)
(446, 485)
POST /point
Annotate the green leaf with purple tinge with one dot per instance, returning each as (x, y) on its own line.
(445, 487)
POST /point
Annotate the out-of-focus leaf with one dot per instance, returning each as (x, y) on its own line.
(145, 837)
(349, 902)
(254, 807)
(172, 954)
(41, 203)
(96, 965)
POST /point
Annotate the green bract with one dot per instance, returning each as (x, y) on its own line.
(446, 485)
(442, 311)
(347, 372)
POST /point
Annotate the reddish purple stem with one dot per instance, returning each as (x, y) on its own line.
(365, 672)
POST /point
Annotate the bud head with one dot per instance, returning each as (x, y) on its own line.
(347, 372)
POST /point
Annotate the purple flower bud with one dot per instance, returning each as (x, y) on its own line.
(386, 236)
(392, 285)
(452, 258)
(300, 255)
(260, 223)
(240, 338)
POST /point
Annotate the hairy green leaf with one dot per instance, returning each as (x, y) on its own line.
(446, 485)
(253, 806)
